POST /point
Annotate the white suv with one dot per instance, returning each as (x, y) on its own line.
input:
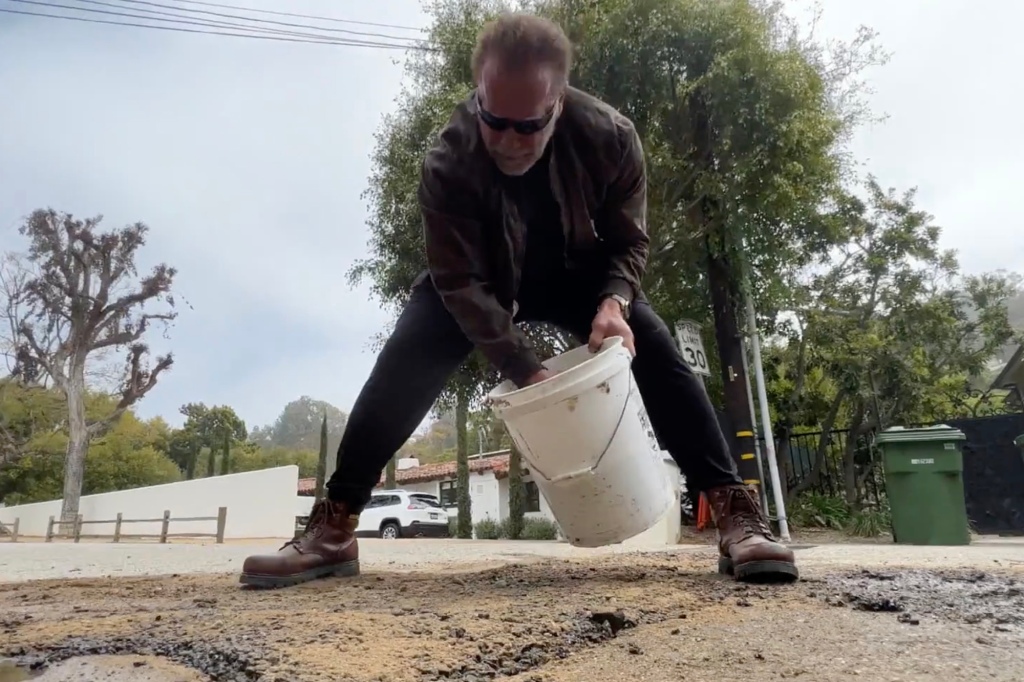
(392, 514)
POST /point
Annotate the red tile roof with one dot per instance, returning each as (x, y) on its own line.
(438, 471)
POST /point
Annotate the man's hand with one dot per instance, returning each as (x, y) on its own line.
(538, 377)
(610, 322)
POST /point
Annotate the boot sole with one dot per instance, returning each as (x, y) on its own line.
(759, 571)
(348, 569)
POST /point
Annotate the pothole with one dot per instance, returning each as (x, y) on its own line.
(116, 669)
(142, 659)
(12, 672)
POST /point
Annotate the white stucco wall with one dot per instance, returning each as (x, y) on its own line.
(261, 504)
(545, 509)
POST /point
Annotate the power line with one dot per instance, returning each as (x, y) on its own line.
(244, 31)
(250, 35)
(299, 16)
(194, 20)
(243, 17)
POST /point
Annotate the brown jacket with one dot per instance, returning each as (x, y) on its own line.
(475, 240)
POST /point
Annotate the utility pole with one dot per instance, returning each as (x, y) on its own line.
(724, 299)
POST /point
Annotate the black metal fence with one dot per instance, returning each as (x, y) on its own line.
(993, 473)
(800, 469)
(993, 469)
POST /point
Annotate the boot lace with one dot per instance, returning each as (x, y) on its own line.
(745, 511)
(314, 526)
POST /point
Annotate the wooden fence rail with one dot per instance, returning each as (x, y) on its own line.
(10, 532)
(221, 518)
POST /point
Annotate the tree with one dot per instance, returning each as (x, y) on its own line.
(439, 80)
(251, 457)
(321, 461)
(209, 428)
(298, 426)
(129, 455)
(83, 296)
(742, 121)
(389, 474)
(463, 391)
(516, 494)
(184, 447)
(894, 326)
(225, 461)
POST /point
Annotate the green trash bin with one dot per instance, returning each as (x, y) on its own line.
(924, 482)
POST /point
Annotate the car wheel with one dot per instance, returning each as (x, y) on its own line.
(390, 531)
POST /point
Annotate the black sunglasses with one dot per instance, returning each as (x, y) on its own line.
(529, 126)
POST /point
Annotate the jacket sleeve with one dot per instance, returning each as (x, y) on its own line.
(624, 218)
(457, 262)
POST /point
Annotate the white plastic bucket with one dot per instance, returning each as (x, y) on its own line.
(589, 445)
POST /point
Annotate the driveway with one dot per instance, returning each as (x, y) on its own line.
(533, 612)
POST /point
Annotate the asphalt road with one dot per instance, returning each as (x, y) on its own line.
(533, 612)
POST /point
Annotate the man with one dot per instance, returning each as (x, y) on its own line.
(534, 208)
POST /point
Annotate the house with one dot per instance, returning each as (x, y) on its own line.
(488, 486)
(1012, 377)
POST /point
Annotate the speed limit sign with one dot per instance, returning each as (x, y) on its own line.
(692, 346)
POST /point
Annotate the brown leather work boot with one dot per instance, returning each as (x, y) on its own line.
(327, 547)
(749, 551)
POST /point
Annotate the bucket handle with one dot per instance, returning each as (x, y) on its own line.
(611, 439)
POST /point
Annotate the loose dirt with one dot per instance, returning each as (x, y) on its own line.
(648, 618)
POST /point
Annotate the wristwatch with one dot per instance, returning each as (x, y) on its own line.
(623, 303)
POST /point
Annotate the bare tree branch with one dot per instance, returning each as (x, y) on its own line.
(78, 297)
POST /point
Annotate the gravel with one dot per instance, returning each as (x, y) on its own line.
(463, 611)
(37, 560)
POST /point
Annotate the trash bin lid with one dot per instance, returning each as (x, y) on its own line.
(901, 434)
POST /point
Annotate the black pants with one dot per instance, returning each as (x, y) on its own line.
(427, 346)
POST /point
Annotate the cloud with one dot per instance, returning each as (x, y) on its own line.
(247, 160)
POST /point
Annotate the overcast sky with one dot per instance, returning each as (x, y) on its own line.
(247, 159)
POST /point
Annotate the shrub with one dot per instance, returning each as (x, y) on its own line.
(814, 510)
(870, 523)
(506, 529)
(453, 526)
(539, 529)
(487, 529)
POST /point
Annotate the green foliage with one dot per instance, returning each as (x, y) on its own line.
(516, 496)
(813, 510)
(779, 109)
(321, 460)
(299, 424)
(487, 529)
(437, 444)
(887, 330)
(437, 81)
(389, 474)
(531, 529)
(539, 529)
(250, 457)
(463, 499)
(225, 460)
(870, 523)
(127, 456)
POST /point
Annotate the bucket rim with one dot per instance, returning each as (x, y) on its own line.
(607, 346)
